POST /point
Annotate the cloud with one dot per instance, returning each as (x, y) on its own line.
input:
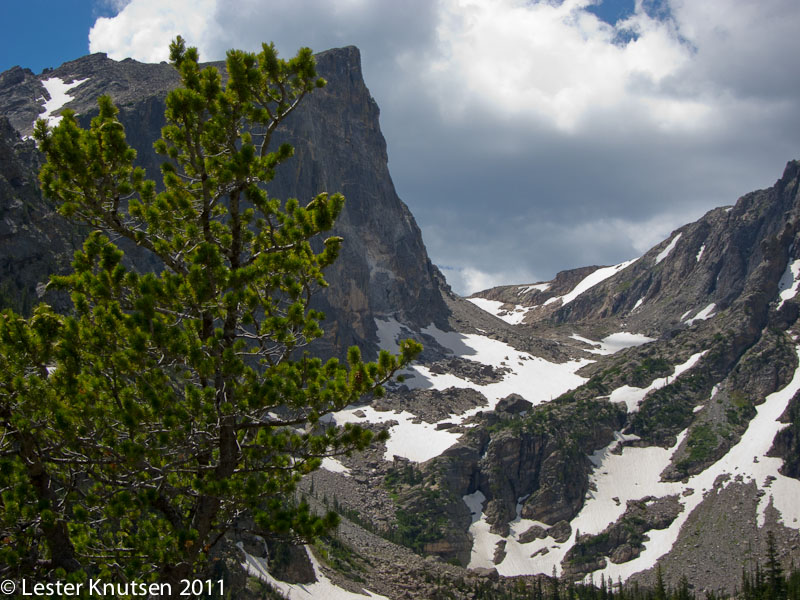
(529, 136)
(556, 62)
(144, 29)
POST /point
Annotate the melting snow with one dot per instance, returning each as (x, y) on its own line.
(747, 458)
(787, 286)
(594, 278)
(665, 252)
(636, 473)
(704, 314)
(57, 89)
(532, 377)
(700, 253)
(333, 465)
(410, 438)
(615, 342)
(590, 281)
(542, 287)
(639, 302)
(322, 588)
(632, 396)
(495, 307)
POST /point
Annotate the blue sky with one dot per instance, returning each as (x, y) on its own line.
(526, 136)
(38, 34)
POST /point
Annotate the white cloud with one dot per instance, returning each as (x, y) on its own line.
(143, 29)
(557, 63)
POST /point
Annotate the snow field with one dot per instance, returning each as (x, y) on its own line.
(615, 342)
(789, 282)
(616, 479)
(514, 316)
(632, 396)
(57, 89)
(635, 473)
(747, 458)
(542, 287)
(416, 441)
(666, 251)
(322, 588)
(703, 315)
(534, 378)
(700, 252)
(333, 465)
(593, 279)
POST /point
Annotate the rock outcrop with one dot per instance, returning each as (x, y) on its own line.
(383, 271)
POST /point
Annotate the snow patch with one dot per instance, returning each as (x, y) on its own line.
(700, 253)
(789, 282)
(513, 316)
(632, 396)
(703, 315)
(594, 278)
(57, 89)
(635, 473)
(532, 377)
(541, 287)
(410, 438)
(615, 342)
(639, 302)
(747, 458)
(666, 251)
(334, 466)
(322, 588)
(389, 333)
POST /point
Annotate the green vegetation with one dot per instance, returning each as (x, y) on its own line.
(415, 530)
(648, 369)
(136, 431)
(408, 474)
(341, 557)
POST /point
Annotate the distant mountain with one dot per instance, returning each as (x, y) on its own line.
(715, 260)
(610, 422)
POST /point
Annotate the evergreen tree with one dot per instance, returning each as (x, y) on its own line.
(137, 431)
(776, 584)
(660, 590)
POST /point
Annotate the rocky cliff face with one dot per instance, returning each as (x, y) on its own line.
(612, 419)
(718, 302)
(384, 269)
(710, 261)
(34, 241)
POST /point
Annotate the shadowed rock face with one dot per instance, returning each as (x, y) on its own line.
(384, 269)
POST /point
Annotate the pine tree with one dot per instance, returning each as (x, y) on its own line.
(776, 584)
(660, 590)
(138, 430)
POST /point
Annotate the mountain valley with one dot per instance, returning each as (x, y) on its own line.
(621, 422)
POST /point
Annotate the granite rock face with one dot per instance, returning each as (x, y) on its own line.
(34, 240)
(719, 259)
(383, 271)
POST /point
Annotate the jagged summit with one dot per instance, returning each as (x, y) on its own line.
(712, 261)
(611, 420)
(338, 148)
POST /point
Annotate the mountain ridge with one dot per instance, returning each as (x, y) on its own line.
(338, 148)
(611, 421)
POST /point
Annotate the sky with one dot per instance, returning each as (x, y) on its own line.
(526, 137)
